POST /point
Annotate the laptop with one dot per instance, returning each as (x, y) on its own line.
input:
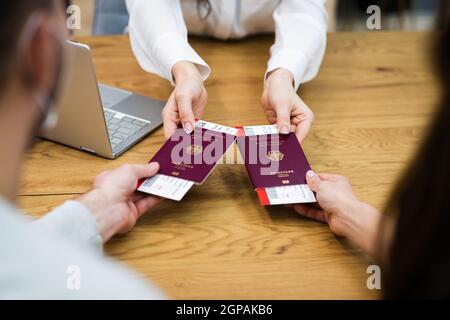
(96, 118)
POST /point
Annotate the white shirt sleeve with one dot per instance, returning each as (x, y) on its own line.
(37, 261)
(300, 38)
(75, 223)
(158, 36)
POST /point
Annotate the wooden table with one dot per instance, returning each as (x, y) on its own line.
(372, 98)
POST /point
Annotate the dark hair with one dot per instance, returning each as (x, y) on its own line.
(418, 260)
(12, 19)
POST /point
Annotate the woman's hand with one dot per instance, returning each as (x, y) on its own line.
(114, 202)
(342, 211)
(187, 101)
(284, 107)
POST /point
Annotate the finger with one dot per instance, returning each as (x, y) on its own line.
(303, 119)
(283, 119)
(187, 117)
(135, 197)
(170, 127)
(145, 204)
(295, 121)
(170, 117)
(200, 105)
(146, 170)
(313, 180)
(264, 100)
(311, 212)
(302, 130)
(327, 176)
(293, 128)
(271, 115)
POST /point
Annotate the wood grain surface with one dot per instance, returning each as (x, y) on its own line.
(372, 100)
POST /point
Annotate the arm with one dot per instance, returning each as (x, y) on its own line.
(112, 207)
(300, 40)
(51, 258)
(75, 223)
(159, 40)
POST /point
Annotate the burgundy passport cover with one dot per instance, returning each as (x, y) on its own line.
(281, 152)
(199, 153)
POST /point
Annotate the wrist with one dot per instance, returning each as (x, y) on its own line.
(185, 70)
(101, 210)
(282, 75)
(363, 227)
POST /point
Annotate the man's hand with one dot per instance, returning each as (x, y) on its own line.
(113, 201)
(187, 101)
(284, 107)
(345, 214)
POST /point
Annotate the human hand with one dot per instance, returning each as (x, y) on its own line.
(114, 202)
(284, 107)
(345, 214)
(187, 101)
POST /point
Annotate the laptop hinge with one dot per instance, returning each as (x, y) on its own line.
(88, 150)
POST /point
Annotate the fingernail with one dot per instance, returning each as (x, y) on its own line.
(188, 127)
(285, 130)
(311, 174)
(153, 165)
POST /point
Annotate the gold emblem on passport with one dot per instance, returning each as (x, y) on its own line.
(285, 182)
(175, 173)
(275, 155)
(194, 149)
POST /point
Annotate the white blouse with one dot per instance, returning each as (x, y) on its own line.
(159, 28)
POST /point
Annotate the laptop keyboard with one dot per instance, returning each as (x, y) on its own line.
(121, 126)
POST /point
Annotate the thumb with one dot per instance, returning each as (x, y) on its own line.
(186, 114)
(145, 204)
(284, 119)
(146, 170)
(313, 180)
(170, 117)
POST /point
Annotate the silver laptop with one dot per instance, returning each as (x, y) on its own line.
(96, 118)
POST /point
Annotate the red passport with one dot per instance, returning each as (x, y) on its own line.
(193, 156)
(274, 160)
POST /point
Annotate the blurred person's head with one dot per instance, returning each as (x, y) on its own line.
(31, 36)
(418, 262)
